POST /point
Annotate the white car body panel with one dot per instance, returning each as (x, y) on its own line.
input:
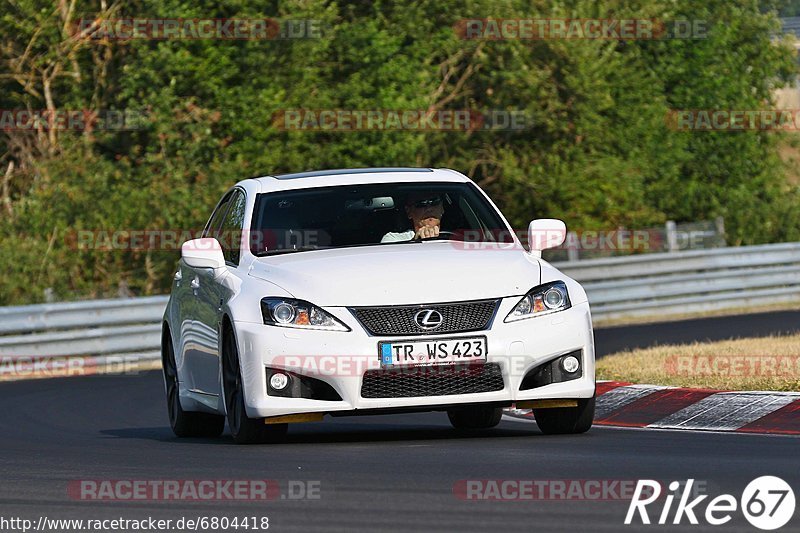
(382, 275)
(517, 347)
(399, 274)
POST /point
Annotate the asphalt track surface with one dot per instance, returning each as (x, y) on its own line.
(374, 473)
(614, 339)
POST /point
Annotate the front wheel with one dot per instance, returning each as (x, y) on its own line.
(185, 423)
(564, 420)
(245, 430)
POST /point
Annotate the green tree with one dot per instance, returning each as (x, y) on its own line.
(597, 151)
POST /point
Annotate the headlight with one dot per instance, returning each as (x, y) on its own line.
(292, 313)
(541, 300)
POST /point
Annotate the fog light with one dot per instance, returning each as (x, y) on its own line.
(278, 381)
(570, 364)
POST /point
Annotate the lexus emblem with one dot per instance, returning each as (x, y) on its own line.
(428, 319)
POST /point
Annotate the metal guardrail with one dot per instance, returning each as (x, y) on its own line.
(687, 282)
(618, 288)
(79, 315)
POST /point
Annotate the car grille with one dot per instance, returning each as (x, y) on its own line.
(399, 320)
(431, 381)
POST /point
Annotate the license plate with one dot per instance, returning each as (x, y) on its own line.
(432, 352)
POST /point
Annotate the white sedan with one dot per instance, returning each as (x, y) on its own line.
(371, 291)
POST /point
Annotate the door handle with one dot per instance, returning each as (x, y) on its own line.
(195, 284)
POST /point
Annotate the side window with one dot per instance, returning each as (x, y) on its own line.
(231, 232)
(212, 228)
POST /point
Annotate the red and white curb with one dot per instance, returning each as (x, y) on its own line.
(657, 407)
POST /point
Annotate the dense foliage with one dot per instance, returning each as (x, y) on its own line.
(598, 153)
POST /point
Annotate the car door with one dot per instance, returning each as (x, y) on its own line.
(198, 346)
(181, 320)
(212, 293)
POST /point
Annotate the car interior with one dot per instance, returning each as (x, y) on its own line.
(310, 219)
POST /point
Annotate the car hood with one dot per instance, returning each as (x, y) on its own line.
(396, 274)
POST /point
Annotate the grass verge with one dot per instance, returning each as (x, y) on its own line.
(768, 363)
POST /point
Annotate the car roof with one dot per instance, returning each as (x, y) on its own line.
(352, 176)
(340, 171)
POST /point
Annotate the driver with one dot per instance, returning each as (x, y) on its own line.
(425, 212)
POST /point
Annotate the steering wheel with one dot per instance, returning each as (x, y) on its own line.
(442, 233)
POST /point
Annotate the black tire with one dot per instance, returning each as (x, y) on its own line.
(475, 417)
(185, 423)
(566, 420)
(245, 430)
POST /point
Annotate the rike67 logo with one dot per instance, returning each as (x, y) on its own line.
(767, 503)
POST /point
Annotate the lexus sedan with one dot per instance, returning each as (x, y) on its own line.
(372, 291)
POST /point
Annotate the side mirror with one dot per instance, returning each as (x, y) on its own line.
(203, 253)
(544, 233)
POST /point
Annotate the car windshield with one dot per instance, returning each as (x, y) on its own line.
(372, 214)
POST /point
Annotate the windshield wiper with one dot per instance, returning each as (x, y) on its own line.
(417, 240)
(312, 248)
(288, 251)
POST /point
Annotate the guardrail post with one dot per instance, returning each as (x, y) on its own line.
(572, 246)
(719, 222)
(672, 236)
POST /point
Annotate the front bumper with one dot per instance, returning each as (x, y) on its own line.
(341, 358)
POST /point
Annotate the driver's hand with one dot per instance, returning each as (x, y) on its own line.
(426, 232)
